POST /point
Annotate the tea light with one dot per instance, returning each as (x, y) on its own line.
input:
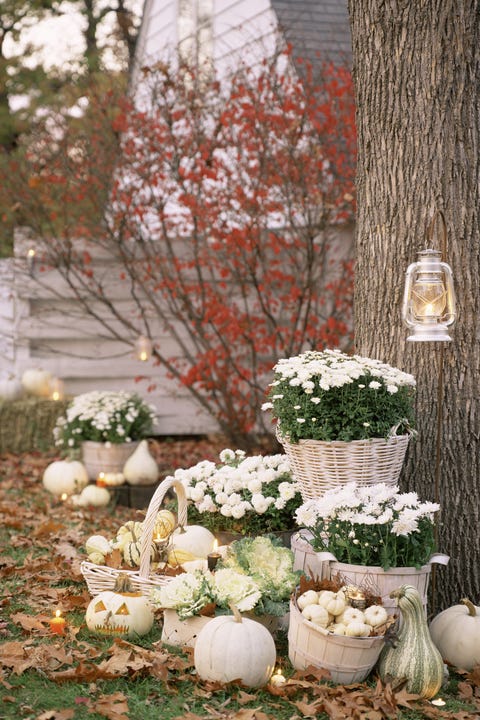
(213, 557)
(101, 479)
(439, 702)
(57, 389)
(58, 623)
(278, 679)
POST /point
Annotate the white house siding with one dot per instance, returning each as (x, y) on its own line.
(42, 326)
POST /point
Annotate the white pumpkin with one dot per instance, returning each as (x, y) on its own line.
(195, 539)
(230, 647)
(36, 381)
(120, 612)
(456, 633)
(351, 614)
(309, 597)
(357, 629)
(375, 615)
(337, 628)
(10, 388)
(94, 496)
(335, 605)
(316, 614)
(141, 468)
(65, 477)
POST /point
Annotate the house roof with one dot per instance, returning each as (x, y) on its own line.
(316, 26)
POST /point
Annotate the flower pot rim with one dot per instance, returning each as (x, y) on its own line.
(344, 443)
(438, 558)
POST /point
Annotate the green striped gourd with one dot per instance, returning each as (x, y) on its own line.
(414, 656)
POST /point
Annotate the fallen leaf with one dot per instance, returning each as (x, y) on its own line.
(114, 707)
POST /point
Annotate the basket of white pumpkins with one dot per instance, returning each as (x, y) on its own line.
(150, 552)
(336, 627)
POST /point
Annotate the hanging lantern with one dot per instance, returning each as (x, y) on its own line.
(429, 299)
(143, 348)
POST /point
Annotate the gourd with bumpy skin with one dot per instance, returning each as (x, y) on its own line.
(414, 656)
(456, 633)
(120, 612)
(230, 647)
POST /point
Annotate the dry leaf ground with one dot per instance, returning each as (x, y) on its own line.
(80, 676)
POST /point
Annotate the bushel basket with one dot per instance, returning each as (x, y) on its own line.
(319, 466)
(348, 659)
(102, 577)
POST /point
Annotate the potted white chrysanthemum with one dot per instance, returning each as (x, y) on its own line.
(242, 494)
(372, 535)
(341, 418)
(106, 426)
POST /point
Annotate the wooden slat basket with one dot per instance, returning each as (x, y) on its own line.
(319, 466)
(102, 577)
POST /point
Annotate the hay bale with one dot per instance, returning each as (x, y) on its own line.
(27, 424)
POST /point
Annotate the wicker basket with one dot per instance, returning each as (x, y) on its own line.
(101, 577)
(348, 659)
(320, 466)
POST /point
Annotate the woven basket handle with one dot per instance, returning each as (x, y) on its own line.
(149, 522)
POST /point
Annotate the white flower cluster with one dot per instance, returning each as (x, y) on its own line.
(188, 593)
(104, 416)
(370, 505)
(238, 486)
(335, 369)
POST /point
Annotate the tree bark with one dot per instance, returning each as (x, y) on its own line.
(417, 84)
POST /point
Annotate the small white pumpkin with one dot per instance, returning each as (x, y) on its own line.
(36, 381)
(120, 612)
(309, 597)
(325, 596)
(94, 496)
(351, 614)
(317, 615)
(456, 633)
(230, 647)
(337, 628)
(357, 629)
(336, 604)
(375, 615)
(196, 539)
(97, 558)
(141, 468)
(65, 477)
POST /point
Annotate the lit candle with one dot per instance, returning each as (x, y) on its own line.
(277, 679)
(64, 497)
(31, 260)
(101, 479)
(439, 702)
(57, 389)
(57, 623)
(213, 557)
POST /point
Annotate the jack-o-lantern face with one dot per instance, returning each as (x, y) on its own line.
(119, 614)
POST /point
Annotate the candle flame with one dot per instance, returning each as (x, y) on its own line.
(63, 497)
(58, 613)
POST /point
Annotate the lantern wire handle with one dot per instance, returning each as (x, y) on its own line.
(431, 230)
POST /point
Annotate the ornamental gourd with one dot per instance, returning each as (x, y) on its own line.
(456, 633)
(93, 496)
(230, 647)
(120, 612)
(65, 477)
(414, 657)
(141, 468)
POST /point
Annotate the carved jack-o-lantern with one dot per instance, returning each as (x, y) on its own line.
(120, 612)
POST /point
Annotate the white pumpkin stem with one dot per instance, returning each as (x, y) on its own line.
(471, 607)
(236, 612)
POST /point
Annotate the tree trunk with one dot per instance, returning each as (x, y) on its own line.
(417, 75)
